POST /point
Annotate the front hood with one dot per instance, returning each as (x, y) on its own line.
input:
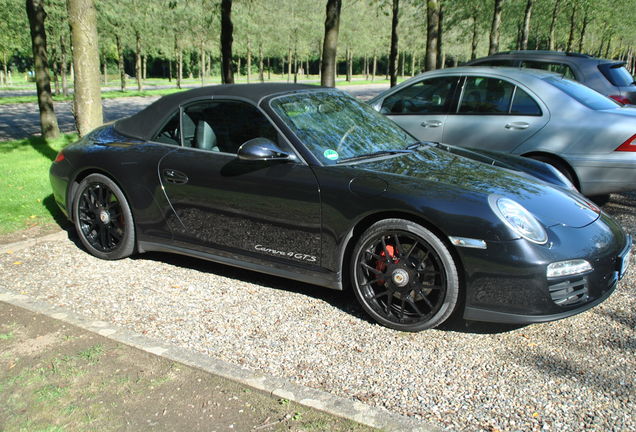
(550, 205)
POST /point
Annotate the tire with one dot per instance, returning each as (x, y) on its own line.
(103, 219)
(403, 276)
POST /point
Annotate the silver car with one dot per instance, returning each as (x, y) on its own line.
(590, 138)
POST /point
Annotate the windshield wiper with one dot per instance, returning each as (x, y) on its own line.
(372, 155)
(416, 145)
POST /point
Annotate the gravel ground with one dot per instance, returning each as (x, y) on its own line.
(575, 374)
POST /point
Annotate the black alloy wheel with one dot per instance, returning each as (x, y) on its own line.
(103, 219)
(404, 276)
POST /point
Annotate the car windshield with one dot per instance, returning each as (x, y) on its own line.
(335, 127)
(585, 95)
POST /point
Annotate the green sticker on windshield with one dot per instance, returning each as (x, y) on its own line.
(331, 154)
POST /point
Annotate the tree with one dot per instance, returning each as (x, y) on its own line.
(14, 35)
(526, 25)
(393, 56)
(227, 28)
(432, 33)
(48, 120)
(555, 14)
(494, 29)
(330, 44)
(87, 96)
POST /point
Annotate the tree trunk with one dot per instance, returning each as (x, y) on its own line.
(289, 63)
(473, 45)
(432, 28)
(249, 61)
(87, 96)
(609, 45)
(394, 49)
(494, 29)
(365, 67)
(179, 68)
(144, 63)
(586, 21)
(48, 120)
(374, 69)
(330, 44)
(5, 69)
(572, 29)
(238, 67)
(261, 77)
(319, 59)
(555, 14)
(412, 64)
(138, 71)
(295, 66)
(56, 80)
(525, 31)
(105, 70)
(120, 63)
(202, 64)
(269, 70)
(227, 76)
(441, 56)
(348, 64)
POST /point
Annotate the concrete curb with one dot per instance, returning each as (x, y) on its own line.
(277, 387)
(60, 235)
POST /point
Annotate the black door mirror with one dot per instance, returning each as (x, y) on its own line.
(262, 149)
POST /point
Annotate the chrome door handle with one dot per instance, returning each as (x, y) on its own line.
(517, 125)
(431, 123)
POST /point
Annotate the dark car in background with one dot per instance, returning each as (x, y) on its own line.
(310, 184)
(608, 77)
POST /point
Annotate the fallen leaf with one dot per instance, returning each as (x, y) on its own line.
(17, 262)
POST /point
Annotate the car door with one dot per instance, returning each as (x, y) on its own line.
(223, 204)
(422, 107)
(494, 114)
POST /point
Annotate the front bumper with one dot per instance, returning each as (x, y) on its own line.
(507, 282)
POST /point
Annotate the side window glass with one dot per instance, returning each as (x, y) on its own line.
(486, 96)
(523, 104)
(560, 68)
(170, 133)
(222, 126)
(432, 96)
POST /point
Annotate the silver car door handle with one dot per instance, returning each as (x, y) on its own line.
(431, 123)
(517, 125)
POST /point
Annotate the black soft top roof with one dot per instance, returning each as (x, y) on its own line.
(143, 124)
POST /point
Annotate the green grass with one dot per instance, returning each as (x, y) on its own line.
(26, 199)
(6, 336)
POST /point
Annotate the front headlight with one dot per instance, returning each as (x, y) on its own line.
(518, 219)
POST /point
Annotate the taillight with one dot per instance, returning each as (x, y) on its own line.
(621, 99)
(629, 145)
(59, 157)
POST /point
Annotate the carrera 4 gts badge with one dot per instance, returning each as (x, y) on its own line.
(296, 255)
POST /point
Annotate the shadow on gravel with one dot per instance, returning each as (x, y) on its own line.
(343, 300)
(460, 325)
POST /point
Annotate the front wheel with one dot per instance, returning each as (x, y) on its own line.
(404, 276)
(103, 219)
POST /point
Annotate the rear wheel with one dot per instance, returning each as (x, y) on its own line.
(404, 276)
(103, 219)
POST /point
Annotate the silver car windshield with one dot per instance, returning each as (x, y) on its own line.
(585, 95)
(335, 127)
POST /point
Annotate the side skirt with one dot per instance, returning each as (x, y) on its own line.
(323, 278)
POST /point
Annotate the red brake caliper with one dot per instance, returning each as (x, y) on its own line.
(381, 265)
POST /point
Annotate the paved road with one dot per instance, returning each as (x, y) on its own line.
(21, 120)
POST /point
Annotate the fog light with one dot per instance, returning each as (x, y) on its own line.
(567, 268)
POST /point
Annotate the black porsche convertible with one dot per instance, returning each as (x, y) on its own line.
(310, 184)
